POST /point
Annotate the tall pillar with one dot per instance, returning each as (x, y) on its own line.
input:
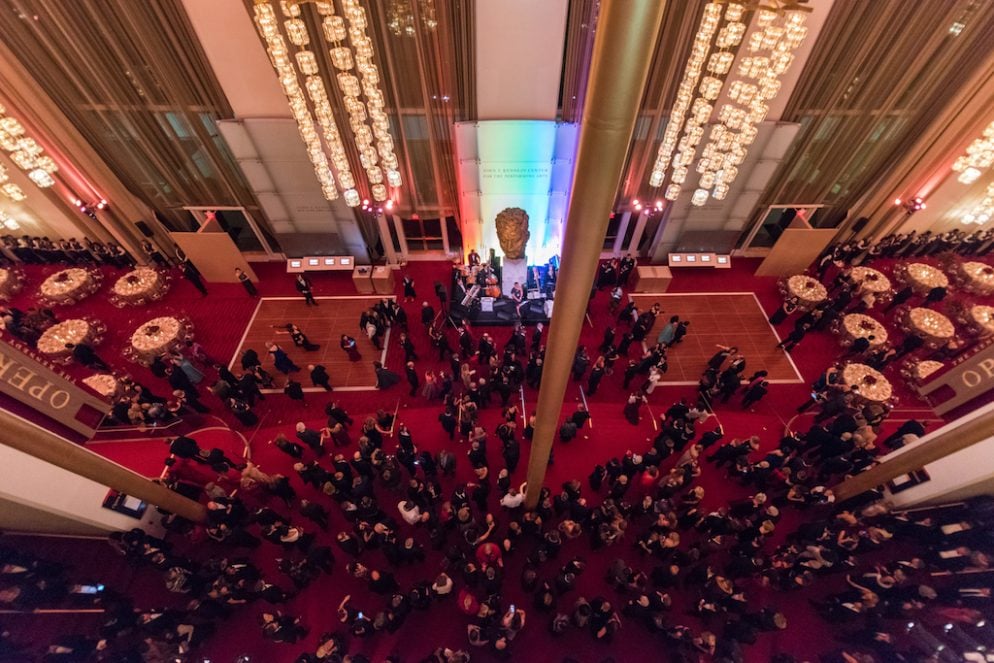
(617, 77)
(46, 446)
(955, 438)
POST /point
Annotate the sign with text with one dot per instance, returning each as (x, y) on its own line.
(969, 378)
(36, 383)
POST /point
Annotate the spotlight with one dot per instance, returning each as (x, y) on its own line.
(913, 205)
(89, 209)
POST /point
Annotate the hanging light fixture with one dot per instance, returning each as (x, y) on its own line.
(752, 73)
(401, 21)
(9, 222)
(685, 97)
(357, 80)
(978, 157)
(983, 211)
(776, 35)
(26, 154)
(8, 188)
(268, 26)
(362, 48)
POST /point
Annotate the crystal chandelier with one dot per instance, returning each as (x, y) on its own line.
(268, 26)
(401, 20)
(770, 53)
(27, 154)
(358, 82)
(684, 102)
(379, 124)
(8, 188)
(978, 157)
(983, 211)
(777, 32)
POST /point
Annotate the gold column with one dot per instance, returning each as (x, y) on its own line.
(45, 446)
(953, 440)
(623, 47)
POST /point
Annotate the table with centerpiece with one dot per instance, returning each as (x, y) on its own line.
(868, 382)
(871, 280)
(139, 287)
(808, 292)
(974, 277)
(935, 328)
(158, 336)
(859, 325)
(52, 342)
(921, 277)
(11, 282)
(69, 286)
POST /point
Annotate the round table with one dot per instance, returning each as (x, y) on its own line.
(868, 382)
(870, 280)
(857, 325)
(981, 319)
(976, 277)
(53, 341)
(158, 336)
(11, 281)
(919, 371)
(141, 286)
(102, 383)
(808, 292)
(70, 285)
(931, 325)
(921, 277)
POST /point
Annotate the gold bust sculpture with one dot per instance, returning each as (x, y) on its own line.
(512, 232)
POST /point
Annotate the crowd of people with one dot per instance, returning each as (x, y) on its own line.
(389, 503)
(44, 251)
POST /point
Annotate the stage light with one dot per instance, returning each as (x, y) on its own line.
(89, 209)
(914, 205)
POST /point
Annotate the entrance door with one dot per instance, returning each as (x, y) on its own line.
(247, 235)
(426, 238)
(777, 218)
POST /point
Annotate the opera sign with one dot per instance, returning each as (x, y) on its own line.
(970, 377)
(37, 385)
(985, 371)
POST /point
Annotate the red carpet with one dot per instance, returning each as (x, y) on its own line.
(806, 636)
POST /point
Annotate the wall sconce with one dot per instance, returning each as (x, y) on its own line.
(90, 209)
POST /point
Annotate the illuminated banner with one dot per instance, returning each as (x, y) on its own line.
(969, 378)
(515, 163)
(35, 382)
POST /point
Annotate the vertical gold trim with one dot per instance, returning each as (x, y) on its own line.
(617, 78)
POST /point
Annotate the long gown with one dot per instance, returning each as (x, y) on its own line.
(282, 361)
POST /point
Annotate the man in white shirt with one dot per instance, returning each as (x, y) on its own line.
(513, 499)
(410, 512)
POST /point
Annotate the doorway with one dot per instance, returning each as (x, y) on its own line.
(237, 222)
(425, 238)
(771, 223)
